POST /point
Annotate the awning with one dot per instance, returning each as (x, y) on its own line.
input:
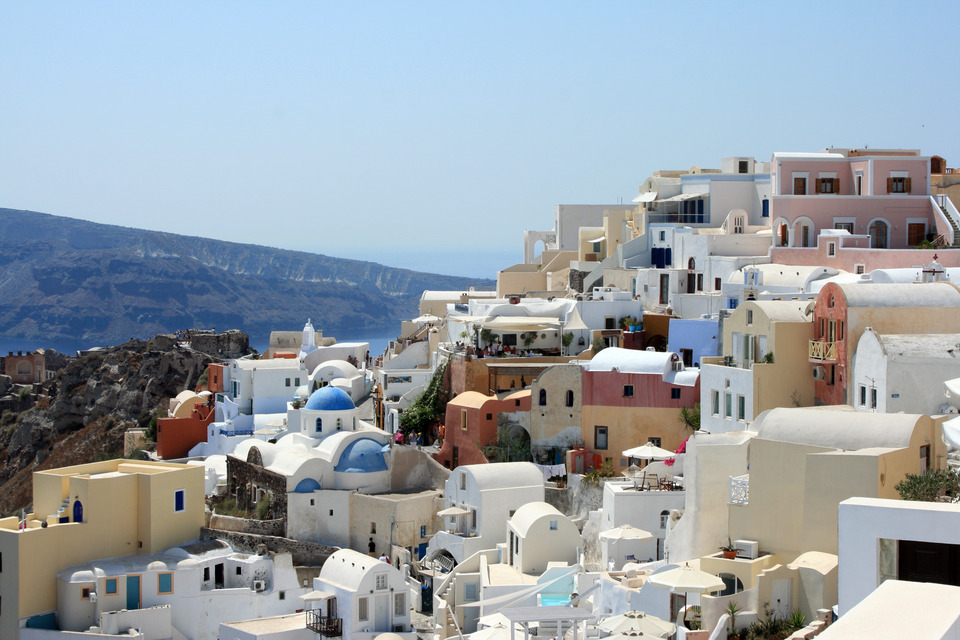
(522, 323)
(683, 196)
(575, 322)
(600, 239)
(317, 595)
(951, 432)
(646, 196)
(452, 511)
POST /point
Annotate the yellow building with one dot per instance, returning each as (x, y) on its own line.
(764, 365)
(87, 512)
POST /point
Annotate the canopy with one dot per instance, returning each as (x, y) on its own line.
(686, 579)
(600, 239)
(951, 432)
(952, 388)
(683, 196)
(637, 622)
(317, 595)
(646, 196)
(648, 451)
(575, 322)
(522, 323)
(427, 318)
(452, 511)
(625, 532)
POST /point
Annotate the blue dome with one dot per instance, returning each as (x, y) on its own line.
(329, 399)
(364, 455)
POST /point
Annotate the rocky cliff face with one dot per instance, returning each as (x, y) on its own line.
(62, 278)
(92, 402)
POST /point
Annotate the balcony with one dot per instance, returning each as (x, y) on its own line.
(822, 351)
(739, 490)
(324, 625)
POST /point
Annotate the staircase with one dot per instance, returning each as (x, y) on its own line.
(942, 203)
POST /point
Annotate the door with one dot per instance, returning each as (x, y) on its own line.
(77, 511)
(218, 576)
(928, 562)
(664, 288)
(456, 457)
(691, 282)
(133, 592)
(780, 595)
(382, 613)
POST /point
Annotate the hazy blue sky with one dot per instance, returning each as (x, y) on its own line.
(430, 135)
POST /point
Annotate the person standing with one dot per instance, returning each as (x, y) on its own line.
(372, 547)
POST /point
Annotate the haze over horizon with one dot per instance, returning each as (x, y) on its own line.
(428, 136)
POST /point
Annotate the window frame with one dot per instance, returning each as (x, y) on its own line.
(160, 590)
(116, 586)
(179, 500)
(601, 432)
(628, 391)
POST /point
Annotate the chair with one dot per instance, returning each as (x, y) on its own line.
(650, 481)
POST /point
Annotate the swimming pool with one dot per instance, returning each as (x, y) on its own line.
(553, 599)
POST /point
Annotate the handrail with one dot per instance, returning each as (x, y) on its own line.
(943, 213)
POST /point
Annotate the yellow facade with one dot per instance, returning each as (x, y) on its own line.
(127, 507)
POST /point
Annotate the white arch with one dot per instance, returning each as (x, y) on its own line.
(796, 233)
(873, 240)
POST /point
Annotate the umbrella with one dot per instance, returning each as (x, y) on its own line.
(427, 318)
(626, 532)
(686, 579)
(632, 471)
(637, 621)
(648, 451)
(453, 511)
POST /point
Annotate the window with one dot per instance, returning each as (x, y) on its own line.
(319, 425)
(765, 211)
(164, 583)
(553, 525)
(826, 185)
(296, 381)
(362, 613)
(110, 587)
(846, 226)
(799, 186)
(609, 322)
(599, 437)
(717, 282)
(179, 500)
(471, 592)
(863, 395)
(873, 398)
(916, 232)
(283, 595)
(423, 531)
(898, 185)
(675, 393)
(878, 234)
(239, 571)
(664, 518)
(399, 604)
(381, 581)
(373, 527)
(628, 391)
(663, 236)
(742, 166)
(331, 513)
(727, 405)
(339, 423)
(715, 402)
(463, 419)
(206, 574)
(860, 268)
(741, 408)
(463, 481)
(85, 593)
(654, 441)
(569, 398)
(287, 382)
(749, 317)
(543, 397)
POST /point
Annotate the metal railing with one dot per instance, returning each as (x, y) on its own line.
(739, 489)
(822, 350)
(325, 626)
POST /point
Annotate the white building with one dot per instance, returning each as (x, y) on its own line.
(539, 534)
(904, 373)
(487, 495)
(369, 597)
(646, 510)
(183, 592)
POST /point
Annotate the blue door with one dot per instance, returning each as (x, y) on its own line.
(133, 592)
(77, 511)
(421, 551)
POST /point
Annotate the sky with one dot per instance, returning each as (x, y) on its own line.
(430, 135)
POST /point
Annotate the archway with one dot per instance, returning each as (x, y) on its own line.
(879, 232)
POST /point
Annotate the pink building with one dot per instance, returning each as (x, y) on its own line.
(857, 210)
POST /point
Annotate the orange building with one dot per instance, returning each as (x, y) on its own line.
(176, 436)
(471, 424)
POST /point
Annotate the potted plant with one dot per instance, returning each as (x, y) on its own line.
(732, 610)
(729, 550)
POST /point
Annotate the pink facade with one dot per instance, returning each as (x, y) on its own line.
(885, 198)
(605, 389)
(854, 255)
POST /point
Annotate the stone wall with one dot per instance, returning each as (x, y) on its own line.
(246, 525)
(576, 280)
(232, 343)
(415, 470)
(244, 477)
(304, 553)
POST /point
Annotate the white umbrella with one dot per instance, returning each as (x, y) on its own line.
(626, 532)
(427, 318)
(637, 621)
(452, 511)
(648, 451)
(686, 579)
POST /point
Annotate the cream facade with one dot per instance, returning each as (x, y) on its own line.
(97, 510)
(556, 409)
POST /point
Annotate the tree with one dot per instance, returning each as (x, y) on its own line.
(567, 340)
(933, 485)
(598, 344)
(429, 408)
(691, 417)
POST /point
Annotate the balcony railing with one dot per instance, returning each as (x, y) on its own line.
(739, 489)
(324, 625)
(821, 350)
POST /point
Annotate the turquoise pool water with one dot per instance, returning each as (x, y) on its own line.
(553, 599)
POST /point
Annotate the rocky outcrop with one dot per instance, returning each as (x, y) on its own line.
(98, 397)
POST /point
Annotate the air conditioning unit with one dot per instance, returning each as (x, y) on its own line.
(259, 585)
(819, 373)
(749, 549)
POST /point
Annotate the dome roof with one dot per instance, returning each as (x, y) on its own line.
(329, 399)
(363, 455)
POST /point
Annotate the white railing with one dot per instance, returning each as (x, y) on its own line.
(944, 210)
(739, 489)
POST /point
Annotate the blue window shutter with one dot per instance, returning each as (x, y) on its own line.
(766, 208)
(667, 257)
(178, 500)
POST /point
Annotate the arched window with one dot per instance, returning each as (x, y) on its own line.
(664, 518)
(569, 398)
(732, 582)
(543, 397)
(319, 425)
(339, 424)
(691, 264)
